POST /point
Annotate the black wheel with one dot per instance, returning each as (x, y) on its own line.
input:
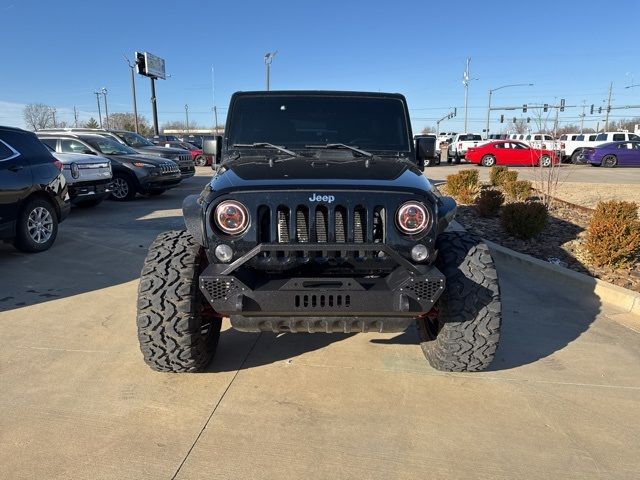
(609, 161)
(200, 161)
(574, 156)
(464, 334)
(123, 188)
(488, 160)
(177, 328)
(36, 226)
(456, 158)
(89, 203)
(155, 192)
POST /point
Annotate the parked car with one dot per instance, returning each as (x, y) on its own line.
(571, 148)
(462, 142)
(33, 191)
(132, 172)
(614, 154)
(503, 152)
(197, 155)
(540, 141)
(88, 177)
(607, 137)
(444, 137)
(157, 139)
(140, 145)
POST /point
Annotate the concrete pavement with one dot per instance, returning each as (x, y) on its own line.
(76, 400)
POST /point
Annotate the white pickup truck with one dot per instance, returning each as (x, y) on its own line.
(571, 145)
(541, 141)
(462, 142)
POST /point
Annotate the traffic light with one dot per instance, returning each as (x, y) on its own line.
(562, 104)
(599, 109)
(501, 118)
(546, 107)
(608, 108)
(592, 109)
(455, 111)
(528, 119)
(524, 108)
(514, 119)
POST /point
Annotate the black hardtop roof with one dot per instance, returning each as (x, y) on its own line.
(332, 93)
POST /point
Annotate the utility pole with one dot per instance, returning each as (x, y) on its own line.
(213, 99)
(75, 117)
(186, 112)
(465, 82)
(97, 94)
(106, 108)
(606, 122)
(154, 106)
(133, 92)
(584, 106)
(268, 58)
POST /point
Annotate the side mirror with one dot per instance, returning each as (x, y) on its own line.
(212, 147)
(425, 148)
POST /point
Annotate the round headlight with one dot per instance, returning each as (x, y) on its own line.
(412, 218)
(231, 217)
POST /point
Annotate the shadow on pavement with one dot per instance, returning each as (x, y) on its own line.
(96, 248)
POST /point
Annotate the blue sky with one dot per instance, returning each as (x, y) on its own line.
(59, 53)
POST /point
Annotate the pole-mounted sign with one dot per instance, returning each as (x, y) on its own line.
(153, 67)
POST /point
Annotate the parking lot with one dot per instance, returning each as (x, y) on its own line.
(559, 401)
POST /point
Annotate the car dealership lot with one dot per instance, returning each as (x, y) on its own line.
(77, 401)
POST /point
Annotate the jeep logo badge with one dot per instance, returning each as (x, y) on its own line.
(321, 198)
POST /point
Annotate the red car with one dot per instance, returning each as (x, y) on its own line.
(503, 152)
(197, 155)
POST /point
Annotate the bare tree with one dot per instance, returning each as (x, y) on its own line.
(38, 116)
(521, 126)
(126, 121)
(427, 130)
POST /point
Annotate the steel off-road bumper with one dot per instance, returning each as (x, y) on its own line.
(322, 304)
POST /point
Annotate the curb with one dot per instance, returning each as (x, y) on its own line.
(620, 297)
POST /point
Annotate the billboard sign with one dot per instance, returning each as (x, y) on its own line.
(150, 66)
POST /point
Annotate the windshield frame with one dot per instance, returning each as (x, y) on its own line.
(407, 146)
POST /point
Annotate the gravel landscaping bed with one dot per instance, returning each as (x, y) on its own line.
(561, 242)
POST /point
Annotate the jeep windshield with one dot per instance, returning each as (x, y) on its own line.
(134, 140)
(106, 146)
(304, 121)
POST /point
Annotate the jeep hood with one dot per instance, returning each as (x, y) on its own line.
(253, 173)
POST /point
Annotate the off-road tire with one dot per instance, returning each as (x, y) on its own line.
(465, 334)
(177, 329)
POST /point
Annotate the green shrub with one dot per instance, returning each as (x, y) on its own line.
(518, 190)
(494, 174)
(489, 202)
(508, 176)
(464, 186)
(524, 220)
(613, 235)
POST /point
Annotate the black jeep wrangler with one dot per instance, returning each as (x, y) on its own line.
(318, 220)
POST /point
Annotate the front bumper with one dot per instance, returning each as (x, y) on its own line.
(84, 190)
(322, 304)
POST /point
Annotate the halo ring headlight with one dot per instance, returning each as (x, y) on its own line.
(413, 218)
(231, 217)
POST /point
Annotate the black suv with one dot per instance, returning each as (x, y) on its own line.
(132, 173)
(318, 220)
(33, 191)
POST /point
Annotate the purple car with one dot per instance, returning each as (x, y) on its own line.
(624, 154)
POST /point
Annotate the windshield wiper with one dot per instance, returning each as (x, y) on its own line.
(342, 146)
(265, 145)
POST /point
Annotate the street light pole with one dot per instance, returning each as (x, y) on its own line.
(106, 108)
(97, 94)
(268, 58)
(500, 88)
(154, 106)
(133, 92)
(186, 112)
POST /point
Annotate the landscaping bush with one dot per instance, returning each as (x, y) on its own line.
(508, 176)
(494, 174)
(518, 190)
(464, 186)
(613, 235)
(489, 202)
(524, 220)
